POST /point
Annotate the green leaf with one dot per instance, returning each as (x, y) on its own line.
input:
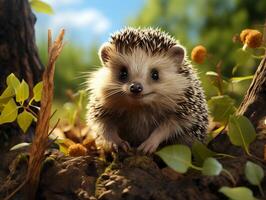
(237, 193)
(221, 107)
(211, 167)
(12, 81)
(70, 112)
(254, 173)
(37, 91)
(24, 120)
(22, 92)
(7, 95)
(201, 152)
(178, 157)
(241, 132)
(213, 77)
(214, 80)
(20, 145)
(242, 57)
(213, 134)
(240, 79)
(9, 113)
(42, 7)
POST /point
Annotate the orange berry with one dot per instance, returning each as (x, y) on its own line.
(76, 150)
(244, 34)
(254, 39)
(199, 54)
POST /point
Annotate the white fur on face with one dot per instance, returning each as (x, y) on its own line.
(166, 91)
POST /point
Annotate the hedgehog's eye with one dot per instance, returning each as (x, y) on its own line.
(123, 74)
(154, 74)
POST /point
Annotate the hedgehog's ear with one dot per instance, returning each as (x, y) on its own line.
(104, 52)
(178, 52)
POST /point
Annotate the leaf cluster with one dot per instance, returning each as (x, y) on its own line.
(16, 103)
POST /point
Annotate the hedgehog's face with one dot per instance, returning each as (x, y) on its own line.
(139, 78)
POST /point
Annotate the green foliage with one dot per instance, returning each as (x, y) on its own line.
(255, 174)
(24, 120)
(201, 152)
(62, 146)
(9, 113)
(241, 132)
(237, 193)
(240, 79)
(243, 57)
(13, 82)
(178, 157)
(221, 107)
(211, 167)
(37, 91)
(6, 95)
(73, 67)
(213, 77)
(19, 91)
(73, 109)
(22, 92)
(42, 7)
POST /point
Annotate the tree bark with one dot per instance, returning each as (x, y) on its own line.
(254, 104)
(18, 51)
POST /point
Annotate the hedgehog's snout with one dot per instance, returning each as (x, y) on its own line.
(136, 88)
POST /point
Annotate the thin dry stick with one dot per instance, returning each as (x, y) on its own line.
(220, 79)
(40, 142)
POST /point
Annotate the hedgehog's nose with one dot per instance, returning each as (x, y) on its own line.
(136, 88)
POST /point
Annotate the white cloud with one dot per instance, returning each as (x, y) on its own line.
(90, 19)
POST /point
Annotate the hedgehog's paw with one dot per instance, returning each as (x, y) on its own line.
(150, 145)
(118, 145)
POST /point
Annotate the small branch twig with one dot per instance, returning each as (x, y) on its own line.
(40, 142)
(220, 79)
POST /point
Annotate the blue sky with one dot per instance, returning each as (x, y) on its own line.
(87, 21)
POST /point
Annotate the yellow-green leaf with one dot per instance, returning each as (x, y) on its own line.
(12, 81)
(22, 92)
(241, 132)
(254, 173)
(24, 120)
(37, 91)
(213, 134)
(239, 79)
(178, 157)
(237, 193)
(9, 112)
(211, 167)
(242, 57)
(221, 107)
(6, 95)
(40, 6)
(201, 152)
(213, 77)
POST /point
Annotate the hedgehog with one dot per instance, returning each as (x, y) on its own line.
(146, 94)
